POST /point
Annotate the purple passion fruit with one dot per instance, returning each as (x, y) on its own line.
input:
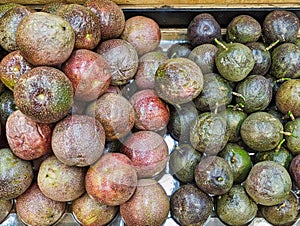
(44, 94)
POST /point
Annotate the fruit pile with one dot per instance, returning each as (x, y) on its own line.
(88, 98)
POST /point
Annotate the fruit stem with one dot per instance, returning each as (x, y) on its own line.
(239, 95)
(290, 114)
(281, 206)
(221, 44)
(220, 179)
(288, 134)
(279, 145)
(272, 45)
(282, 80)
(236, 107)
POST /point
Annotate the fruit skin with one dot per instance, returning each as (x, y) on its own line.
(45, 39)
(110, 15)
(9, 23)
(261, 131)
(89, 73)
(213, 175)
(239, 161)
(148, 152)
(215, 95)
(115, 113)
(12, 66)
(204, 56)
(85, 23)
(280, 25)
(6, 7)
(16, 174)
(7, 106)
(268, 183)
(235, 61)
(143, 33)
(181, 119)
(183, 161)
(5, 208)
(282, 156)
(292, 141)
(27, 139)
(148, 64)
(122, 58)
(112, 180)
(243, 29)
(151, 113)
(34, 208)
(190, 205)
(234, 120)
(209, 133)
(89, 212)
(285, 97)
(294, 170)
(45, 94)
(149, 205)
(262, 58)
(257, 93)
(59, 181)
(236, 207)
(285, 61)
(78, 140)
(178, 80)
(203, 29)
(284, 213)
(179, 50)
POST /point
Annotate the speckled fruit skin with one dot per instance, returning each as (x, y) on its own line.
(234, 120)
(203, 29)
(27, 139)
(244, 29)
(143, 33)
(45, 94)
(261, 131)
(294, 170)
(89, 73)
(292, 142)
(148, 152)
(112, 180)
(148, 64)
(122, 58)
(12, 66)
(204, 56)
(5, 208)
(34, 208)
(178, 80)
(9, 23)
(209, 133)
(285, 61)
(284, 213)
(262, 58)
(236, 207)
(89, 212)
(149, 205)
(45, 39)
(213, 175)
(151, 113)
(191, 206)
(280, 25)
(115, 113)
(110, 15)
(85, 23)
(16, 174)
(257, 92)
(286, 100)
(234, 62)
(183, 161)
(59, 181)
(268, 183)
(78, 140)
